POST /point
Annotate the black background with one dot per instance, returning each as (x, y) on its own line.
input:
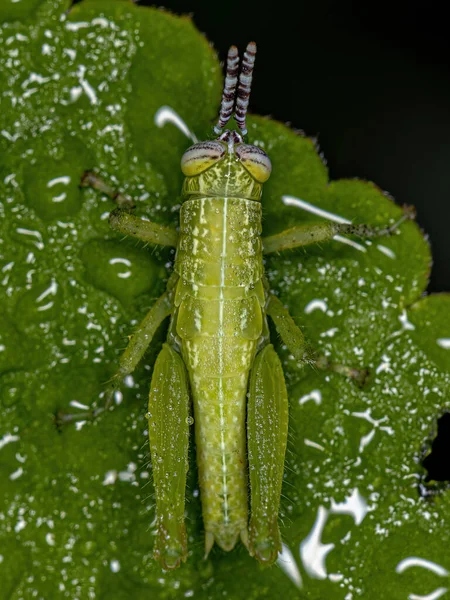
(371, 80)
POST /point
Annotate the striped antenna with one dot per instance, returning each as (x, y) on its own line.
(229, 90)
(244, 87)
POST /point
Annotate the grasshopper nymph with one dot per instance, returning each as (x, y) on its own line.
(218, 351)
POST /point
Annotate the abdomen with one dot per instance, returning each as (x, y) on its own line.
(219, 320)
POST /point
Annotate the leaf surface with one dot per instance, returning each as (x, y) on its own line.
(80, 91)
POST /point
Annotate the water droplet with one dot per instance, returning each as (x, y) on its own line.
(122, 270)
(52, 186)
(189, 420)
(40, 304)
(148, 415)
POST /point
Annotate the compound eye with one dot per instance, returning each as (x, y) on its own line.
(255, 161)
(200, 157)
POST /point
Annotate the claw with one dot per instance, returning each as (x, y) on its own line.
(88, 179)
(409, 211)
(60, 418)
(360, 376)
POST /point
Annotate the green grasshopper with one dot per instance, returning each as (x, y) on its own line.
(218, 349)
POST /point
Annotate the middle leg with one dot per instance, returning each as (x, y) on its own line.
(294, 339)
(129, 360)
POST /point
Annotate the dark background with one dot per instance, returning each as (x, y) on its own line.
(371, 80)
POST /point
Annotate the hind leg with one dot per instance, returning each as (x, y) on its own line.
(168, 429)
(294, 339)
(267, 429)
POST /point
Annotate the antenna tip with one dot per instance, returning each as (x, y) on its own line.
(251, 47)
(232, 52)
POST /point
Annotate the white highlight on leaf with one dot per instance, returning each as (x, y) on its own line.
(127, 476)
(315, 395)
(443, 343)
(17, 473)
(129, 381)
(311, 208)
(71, 53)
(293, 201)
(386, 251)
(77, 26)
(21, 524)
(77, 404)
(75, 93)
(349, 242)
(8, 136)
(433, 596)
(35, 78)
(407, 325)
(385, 365)
(88, 89)
(416, 561)
(60, 197)
(166, 114)
(335, 577)
(123, 261)
(51, 290)
(329, 332)
(110, 478)
(366, 439)
(65, 179)
(286, 562)
(114, 565)
(7, 439)
(312, 552)
(354, 505)
(316, 305)
(313, 444)
(37, 234)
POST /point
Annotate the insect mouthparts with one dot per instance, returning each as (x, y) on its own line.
(236, 91)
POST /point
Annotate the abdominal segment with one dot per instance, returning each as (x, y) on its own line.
(220, 413)
(218, 369)
(218, 321)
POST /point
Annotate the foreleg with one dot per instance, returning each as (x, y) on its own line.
(122, 221)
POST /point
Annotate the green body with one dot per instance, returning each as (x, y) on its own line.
(218, 324)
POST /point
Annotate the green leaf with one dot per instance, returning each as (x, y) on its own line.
(80, 91)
